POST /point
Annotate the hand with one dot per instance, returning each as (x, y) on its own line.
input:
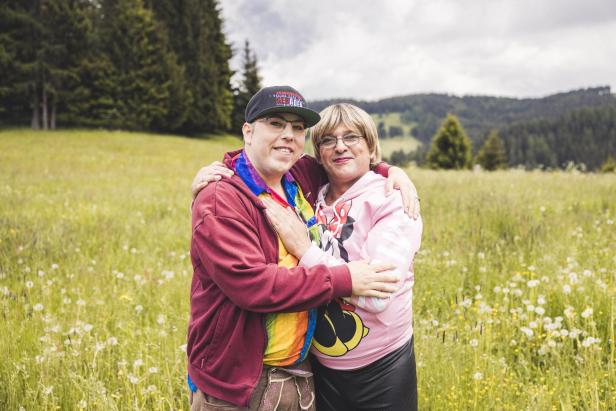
(207, 174)
(399, 180)
(291, 230)
(373, 280)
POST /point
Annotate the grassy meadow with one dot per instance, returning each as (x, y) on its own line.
(514, 302)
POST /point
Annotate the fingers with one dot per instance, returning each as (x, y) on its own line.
(378, 268)
(221, 170)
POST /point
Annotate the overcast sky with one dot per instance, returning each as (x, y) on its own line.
(371, 49)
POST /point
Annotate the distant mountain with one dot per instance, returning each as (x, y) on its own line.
(479, 114)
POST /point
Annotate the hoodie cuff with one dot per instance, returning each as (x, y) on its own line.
(341, 280)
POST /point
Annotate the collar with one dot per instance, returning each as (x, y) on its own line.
(248, 173)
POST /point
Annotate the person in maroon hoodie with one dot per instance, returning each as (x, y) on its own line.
(252, 308)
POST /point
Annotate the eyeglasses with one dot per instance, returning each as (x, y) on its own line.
(348, 140)
(279, 124)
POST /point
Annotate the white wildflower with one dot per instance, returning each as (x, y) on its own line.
(588, 341)
(467, 302)
(473, 342)
(478, 376)
(587, 312)
(29, 284)
(567, 289)
(80, 302)
(153, 370)
(541, 300)
(133, 379)
(573, 334)
(138, 308)
(88, 327)
(527, 331)
(83, 404)
(137, 363)
(497, 289)
(38, 307)
(112, 341)
(540, 310)
(533, 324)
(48, 390)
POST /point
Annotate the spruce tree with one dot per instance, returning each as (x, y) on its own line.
(196, 37)
(492, 155)
(249, 84)
(451, 147)
(136, 89)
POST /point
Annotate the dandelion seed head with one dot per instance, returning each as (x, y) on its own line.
(532, 283)
(29, 284)
(478, 376)
(527, 331)
(587, 312)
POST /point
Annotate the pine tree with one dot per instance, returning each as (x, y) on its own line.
(492, 155)
(451, 147)
(249, 85)
(196, 37)
(134, 89)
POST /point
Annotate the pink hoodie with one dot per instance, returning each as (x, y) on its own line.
(364, 224)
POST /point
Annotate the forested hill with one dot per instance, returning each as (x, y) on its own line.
(585, 136)
(479, 114)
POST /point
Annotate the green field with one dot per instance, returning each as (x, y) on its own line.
(514, 300)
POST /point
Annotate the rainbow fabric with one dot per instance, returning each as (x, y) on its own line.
(289, 335)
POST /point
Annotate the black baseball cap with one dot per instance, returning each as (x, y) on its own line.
(279, 99)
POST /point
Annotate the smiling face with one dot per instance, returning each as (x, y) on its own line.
(345, 164)
(273, 144)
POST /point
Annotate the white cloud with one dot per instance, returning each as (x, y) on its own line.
(367, 49)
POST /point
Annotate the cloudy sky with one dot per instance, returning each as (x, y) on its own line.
(371, 49)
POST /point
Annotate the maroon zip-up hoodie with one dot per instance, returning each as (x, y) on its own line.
(237, 280)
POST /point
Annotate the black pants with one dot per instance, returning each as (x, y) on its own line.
(389, 383)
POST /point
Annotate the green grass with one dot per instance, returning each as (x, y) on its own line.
(406, 142)
(95, 276)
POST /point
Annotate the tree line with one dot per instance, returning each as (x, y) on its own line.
(159, 65)
(585, 139)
